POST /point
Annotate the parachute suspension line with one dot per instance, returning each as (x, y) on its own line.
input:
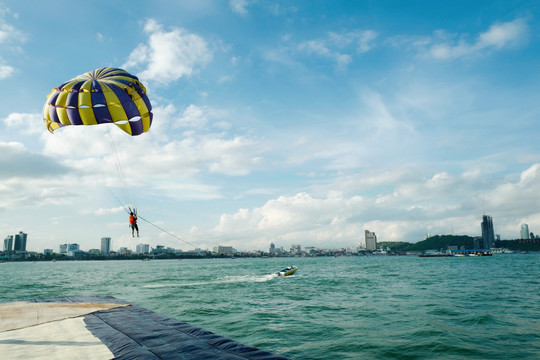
(72, 139)
(129, 200)
(165, 231)
(120, 202)
(100, 78)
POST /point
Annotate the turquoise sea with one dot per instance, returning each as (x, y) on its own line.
(375, 307)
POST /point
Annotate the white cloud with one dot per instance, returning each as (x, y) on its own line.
(516, 198)
(362, 41)
(365, 41)
(213, 153)
(301, 218)
(18, 162)
(339, 47)
(169, 55)
(444, 46)
(319, 48)
(198, 116)
(440, 204)
(239, 6)
(6, 71)
(501, 35)
(161, 161)
(115, 210)
(205, 146)
(9, 34)
(31, 193)
(380, 116)
(29, 179)
(24, 122)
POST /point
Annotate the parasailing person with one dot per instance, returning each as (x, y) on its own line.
(133, 223)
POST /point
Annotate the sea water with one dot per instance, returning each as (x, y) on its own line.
(376, 307)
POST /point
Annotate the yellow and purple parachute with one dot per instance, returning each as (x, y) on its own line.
(103, 96)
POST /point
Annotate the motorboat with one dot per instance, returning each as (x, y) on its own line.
(287, 271)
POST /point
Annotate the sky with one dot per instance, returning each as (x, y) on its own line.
(286, 122)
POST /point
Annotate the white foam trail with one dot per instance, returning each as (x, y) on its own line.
(247, 278)
(226, 279)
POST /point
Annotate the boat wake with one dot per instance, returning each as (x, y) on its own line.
(248, 278)
(223, 280)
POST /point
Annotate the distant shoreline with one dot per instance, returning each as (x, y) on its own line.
(148, 258)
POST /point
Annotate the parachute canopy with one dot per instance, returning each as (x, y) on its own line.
(103, 96)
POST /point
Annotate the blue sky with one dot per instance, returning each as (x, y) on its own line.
(293, 122)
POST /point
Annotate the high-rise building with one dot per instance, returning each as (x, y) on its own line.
(62, 249)
(488, 235)
(74, 250)
(72, 247)
(524, 231)
(8, 243)
(20, 242)
(143, 249)
(371, 241)
(105, 245)
(296, 249)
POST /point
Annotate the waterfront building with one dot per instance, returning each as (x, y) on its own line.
(524, 231)
(20, 242)
(72, 247)
(488, 235)
(162, 250)
(195, 252)
(48, 252)
(66, 248)
(159, 249)
(371, 240)
(62, 249)
(8, 243)
(275, 251)
(478, 242)
(125, 251)
(220, 249)
(311, 250)
(142, 249)
(75, 253)
(105, 245)
(296, 249)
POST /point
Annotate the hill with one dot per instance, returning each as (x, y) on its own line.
(437, 242)
(441, 242)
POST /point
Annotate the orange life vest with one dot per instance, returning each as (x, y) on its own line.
(132, 220)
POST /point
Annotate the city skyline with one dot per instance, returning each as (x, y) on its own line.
(486, 241)
(302, 122)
